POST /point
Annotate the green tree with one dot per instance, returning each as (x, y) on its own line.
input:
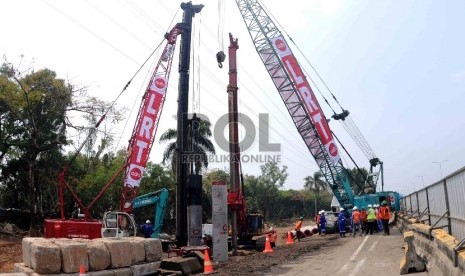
(262, 192)
(198, 140)
(316, 184)
(36, 109)
(358, 181)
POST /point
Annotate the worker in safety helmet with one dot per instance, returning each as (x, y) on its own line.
(322, 222)
(147, 229)
(371, 218)
(379, 224)
(297, 228)
(356, 220)
(342, 223)
(385, 214)
(363, 218)
(317, 220)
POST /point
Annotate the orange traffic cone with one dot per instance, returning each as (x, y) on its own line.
(268, 248)
(82, 271)
(207, 264)
(290, 240)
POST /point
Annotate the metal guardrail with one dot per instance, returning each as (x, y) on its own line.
(442, 203)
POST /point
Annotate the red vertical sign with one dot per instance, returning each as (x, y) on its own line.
(139, 148)
(307, 96)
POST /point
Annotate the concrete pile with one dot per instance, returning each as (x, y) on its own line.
(127, 256)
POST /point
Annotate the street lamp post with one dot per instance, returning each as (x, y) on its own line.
(440, 165)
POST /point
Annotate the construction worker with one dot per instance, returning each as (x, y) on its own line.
(371, 220)
(297, 228)
(385, 215)
(356, 220)
(323, 222)
(342, 223)
(379, 225)
(317, 220)
(363, 218)
(147, 229)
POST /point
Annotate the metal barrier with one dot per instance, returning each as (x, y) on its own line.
(442, 203)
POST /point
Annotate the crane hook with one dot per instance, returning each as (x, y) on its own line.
(220, 57)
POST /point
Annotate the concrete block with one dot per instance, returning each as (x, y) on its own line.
(101, 273)
(122, 272)
(461, 261)
(411, 261)
(187, 266)
(26, 249)
(137, 250)
(98, 255)
(446, 244)
(153, 250)
(73, 255)
(45, 257)
(118, 249)
(145, 269)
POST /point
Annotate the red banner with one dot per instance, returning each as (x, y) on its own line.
(307, 96)
(148, 117)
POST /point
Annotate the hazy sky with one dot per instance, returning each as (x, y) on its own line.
(397, 66)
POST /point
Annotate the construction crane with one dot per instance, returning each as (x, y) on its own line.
(140, 145)
(302, 105)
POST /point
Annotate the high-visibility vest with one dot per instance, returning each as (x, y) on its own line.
(356, 216)
(298, 225)
(363, 215)
(371, 214)
(385, 213)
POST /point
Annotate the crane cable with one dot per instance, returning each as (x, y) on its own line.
(349, 125)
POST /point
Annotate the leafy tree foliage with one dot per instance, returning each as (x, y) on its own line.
(316, 183)
(36, 115)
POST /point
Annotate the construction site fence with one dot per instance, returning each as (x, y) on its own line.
(440, 205)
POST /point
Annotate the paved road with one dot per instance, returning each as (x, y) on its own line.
(368, 255)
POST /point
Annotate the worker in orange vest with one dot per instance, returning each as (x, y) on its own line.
(364, 219)
(297, 228)
(317, 220)
(385, 214)
(356, 220)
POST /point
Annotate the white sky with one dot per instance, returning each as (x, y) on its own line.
(398, 66)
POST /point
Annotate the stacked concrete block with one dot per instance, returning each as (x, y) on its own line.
(136, 250)
(45, 257)
(73, 255)
(98, 254)
(100, 257)
(153, 250)
(119, 252)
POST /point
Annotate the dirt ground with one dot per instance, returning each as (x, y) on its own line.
(250, 263)
(10, 252)
(258, 263)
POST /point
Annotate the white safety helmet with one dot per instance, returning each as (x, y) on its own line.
(369, 206)
(322, 211)
(376, 205)
(271, 228)
(355, 208)
(341, 209)
(147, 221)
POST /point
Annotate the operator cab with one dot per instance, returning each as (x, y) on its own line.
(118, 225)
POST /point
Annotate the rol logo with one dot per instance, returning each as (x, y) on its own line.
(332, 150)
(158, 84)
(134, 175)
(281, 46)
